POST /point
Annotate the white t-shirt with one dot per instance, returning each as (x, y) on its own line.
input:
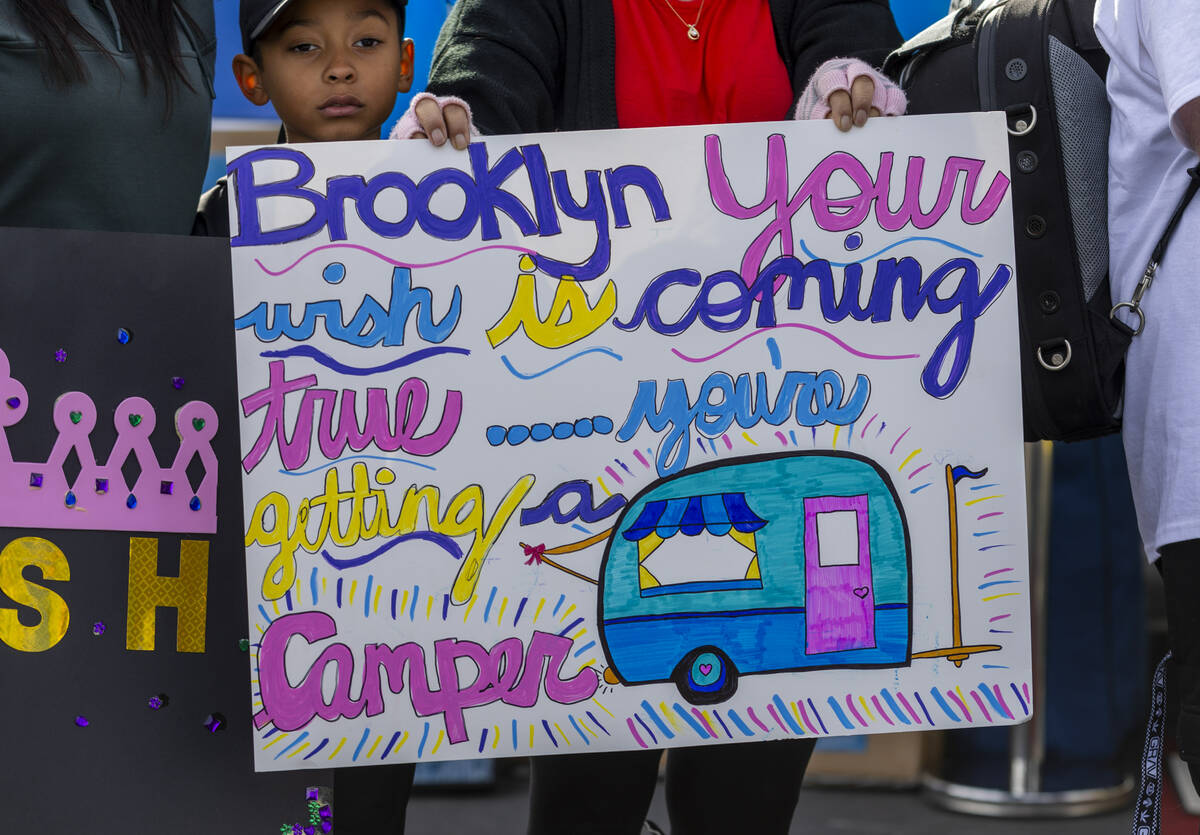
(1154, 71)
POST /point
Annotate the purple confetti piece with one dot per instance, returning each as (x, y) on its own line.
(35, 479)
(60, 355)
(98, 628)
(312, 792)
(214, 722)
(81, 721)
(166, 487)
(102, 485)
(177, 382)
(13, 402)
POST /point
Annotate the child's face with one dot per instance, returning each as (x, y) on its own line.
(332, 68)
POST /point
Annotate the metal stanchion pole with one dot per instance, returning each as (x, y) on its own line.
(1027, 742)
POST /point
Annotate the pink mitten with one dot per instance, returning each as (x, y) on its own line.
(839, 74)
(409, 124)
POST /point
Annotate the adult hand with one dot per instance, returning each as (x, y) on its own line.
(849, 91)
(438, 122)
(854, 107)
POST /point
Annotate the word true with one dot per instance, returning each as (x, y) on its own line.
(813, 399)
(483, 197)
(349, 517)
(961, 295)
(373, 323)
(386, 428)
(508, 673)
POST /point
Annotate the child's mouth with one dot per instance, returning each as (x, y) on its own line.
(336, 106)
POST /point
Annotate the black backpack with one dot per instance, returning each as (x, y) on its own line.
(1040, 62)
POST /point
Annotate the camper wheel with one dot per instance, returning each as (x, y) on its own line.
(706, 676)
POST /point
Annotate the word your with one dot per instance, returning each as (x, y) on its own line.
(482, 192)
(507, 673)
(372, 324)
(186, 592)
(813, 398)
(841, 214)
(386, 430)
(916, 293)
(342, 517)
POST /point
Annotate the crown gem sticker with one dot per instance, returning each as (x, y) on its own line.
(37, 493)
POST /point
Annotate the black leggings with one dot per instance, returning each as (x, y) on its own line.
(711, 790)
(371, 800)
(1180, 564)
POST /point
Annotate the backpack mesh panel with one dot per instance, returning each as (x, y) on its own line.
(1083, 115)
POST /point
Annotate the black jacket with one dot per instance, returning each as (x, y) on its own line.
(212, 215)
(539, 65)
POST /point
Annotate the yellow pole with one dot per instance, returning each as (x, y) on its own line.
(952, 494)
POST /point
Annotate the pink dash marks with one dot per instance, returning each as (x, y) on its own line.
(898, 440)
(637, 737)
(863, 434)
(882, 712)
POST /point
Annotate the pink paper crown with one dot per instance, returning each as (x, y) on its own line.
(37, 495)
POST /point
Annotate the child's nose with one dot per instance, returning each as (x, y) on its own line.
(340, 68)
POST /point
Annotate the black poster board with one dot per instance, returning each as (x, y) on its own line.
(115, 316)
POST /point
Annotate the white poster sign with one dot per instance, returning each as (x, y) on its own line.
(630, 439)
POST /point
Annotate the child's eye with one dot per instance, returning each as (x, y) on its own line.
(367, 43)
(303, 47)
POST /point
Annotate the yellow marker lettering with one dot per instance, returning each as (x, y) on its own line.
(468, 573)
(187, 594)
(571, 316)
(52, 562)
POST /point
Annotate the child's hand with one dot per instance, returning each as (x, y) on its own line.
(849, 91)
(435, 118)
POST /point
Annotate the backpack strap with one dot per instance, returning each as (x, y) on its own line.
(1134, 305)
(1149, 803)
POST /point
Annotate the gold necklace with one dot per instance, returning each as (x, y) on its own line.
(692, 31)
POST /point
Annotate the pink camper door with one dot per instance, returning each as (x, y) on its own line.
(839, 600)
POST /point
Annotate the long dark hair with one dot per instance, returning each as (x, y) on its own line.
(147, 31)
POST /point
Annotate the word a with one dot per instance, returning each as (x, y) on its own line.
(372, 324)
(507, 673)
(817, 399)
(482, 192)
(273, 524)
(386, 430)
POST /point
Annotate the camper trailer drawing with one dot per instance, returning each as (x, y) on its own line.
(774, 563)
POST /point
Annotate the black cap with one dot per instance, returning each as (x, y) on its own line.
(256, 16)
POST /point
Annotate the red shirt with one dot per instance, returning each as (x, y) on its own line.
(733, 73)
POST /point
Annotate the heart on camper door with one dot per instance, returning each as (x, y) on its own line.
(861, 592)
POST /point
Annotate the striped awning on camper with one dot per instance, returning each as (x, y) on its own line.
(717, 513)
